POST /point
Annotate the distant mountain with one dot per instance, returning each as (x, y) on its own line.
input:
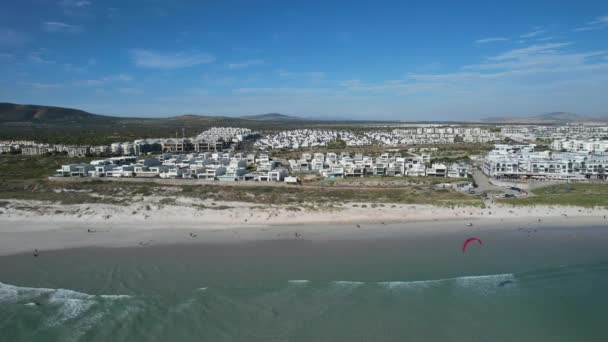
(39, 115)
(548, 118)
(10, 112)
(271, 117)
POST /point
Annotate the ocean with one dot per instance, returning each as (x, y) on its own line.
(535, 284)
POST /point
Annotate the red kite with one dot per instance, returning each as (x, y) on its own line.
(468, 241)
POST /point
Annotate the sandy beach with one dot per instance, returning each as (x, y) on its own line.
(29, 225)
(130, 273)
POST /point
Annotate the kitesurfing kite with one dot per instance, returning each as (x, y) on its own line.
(468, 241)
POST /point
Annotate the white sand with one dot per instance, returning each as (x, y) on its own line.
(26, 225)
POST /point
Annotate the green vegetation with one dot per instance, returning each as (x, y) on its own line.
(450, 160)
(129, 129)
(25, 178)
(413, 194)
(581, 195)
(378, 181)
(338, 144)
(21, 167)
(115, 192)
(459, 152)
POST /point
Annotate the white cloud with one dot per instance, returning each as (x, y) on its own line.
(75, 3)
(11, 37)
(536, 32)
(281, 91)
(75, 7)
(55, 26)
(245, 64)
(219, 82)
(157, 60)
(597, 24)
(533, 49)
(543, 64)
(80, 68)
(377, 87)
(40, 56)
(131, 91)
(535, 59)
(192, 95)
(39, 59)
(530, 79)
(245, 50)
(119, 78)
(310, 75)
(37, 85)
(491, 40)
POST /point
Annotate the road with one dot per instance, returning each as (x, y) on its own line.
(484, 185)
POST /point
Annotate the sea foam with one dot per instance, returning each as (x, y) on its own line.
(75, 307)
(347, 283)
(466, 282)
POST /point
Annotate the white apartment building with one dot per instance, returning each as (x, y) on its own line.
(520, 161)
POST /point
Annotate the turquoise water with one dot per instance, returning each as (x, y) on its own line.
(546, 287)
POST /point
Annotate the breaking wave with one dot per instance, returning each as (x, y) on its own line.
(67, 305)
(481, 281)
(348, 283)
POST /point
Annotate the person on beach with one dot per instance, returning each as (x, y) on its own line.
(36, 254)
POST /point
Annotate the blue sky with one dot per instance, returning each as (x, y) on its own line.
(410, 60)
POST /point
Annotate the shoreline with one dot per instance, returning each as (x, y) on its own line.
(29, 225)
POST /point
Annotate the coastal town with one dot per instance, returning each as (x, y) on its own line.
(571, 138)
(568, 153)
(230, 166)
(523, 162)
(324, 171)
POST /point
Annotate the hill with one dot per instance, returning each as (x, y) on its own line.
(10, 112)
(548, 118)
(74, 126)
(271, 117)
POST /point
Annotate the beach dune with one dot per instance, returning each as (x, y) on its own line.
(29, 225)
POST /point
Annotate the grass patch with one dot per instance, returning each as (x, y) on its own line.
(25, 178)
(33, 167)
(580, 195)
